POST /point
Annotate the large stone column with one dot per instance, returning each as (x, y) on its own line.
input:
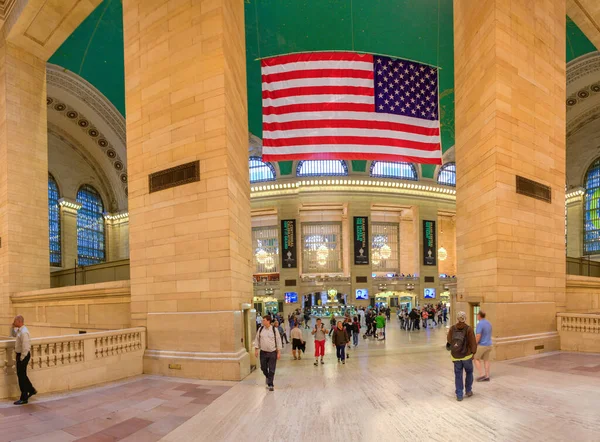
(190, 245)
(510, 120)
(24, 253)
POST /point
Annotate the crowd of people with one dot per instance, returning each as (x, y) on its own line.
(425, 316)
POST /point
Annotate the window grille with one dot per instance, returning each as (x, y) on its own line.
(54, 222)
(260, 171)
(322, 247)
(385, 247)
(90, 227)
(265, 243)
(591, 243)
(388, 169)
(322, 168)
(447, 175)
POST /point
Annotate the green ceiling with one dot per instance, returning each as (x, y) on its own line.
(418, 30)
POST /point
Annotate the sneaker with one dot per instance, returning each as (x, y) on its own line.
(339, 360)
(316, 363)
(459, 398)
(483, 379)
(344, 362)
(322, 362)
(271, 388)
(20, 402)
(469, 394)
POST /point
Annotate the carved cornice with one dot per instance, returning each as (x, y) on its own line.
(81, 89)
(582, 66)
(5, 8)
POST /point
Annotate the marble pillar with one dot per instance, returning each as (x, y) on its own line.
(68, 229)
(575, 217)
(510, 120)
(190, 245)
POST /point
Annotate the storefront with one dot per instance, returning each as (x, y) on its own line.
(324, 304)
(394, 300)
(267, 305)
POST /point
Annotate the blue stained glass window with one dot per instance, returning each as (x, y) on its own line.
(322, 168)
(90, 227)
(591, 243)
(261, 171)
(388, 169)
(54, 222)
(447, 175)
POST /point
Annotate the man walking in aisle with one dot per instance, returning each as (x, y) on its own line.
(22, 350)
(483, 335)
(268, 341)
(319, 333)
(462, 345)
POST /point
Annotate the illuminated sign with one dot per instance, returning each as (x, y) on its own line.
(288, 241)
(429, 243)
(361, 240)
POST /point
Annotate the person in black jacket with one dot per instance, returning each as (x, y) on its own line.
(339, 340)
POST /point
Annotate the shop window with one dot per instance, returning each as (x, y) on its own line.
(260, 171)
(54, 222)
(447, 175)
(385, 256)
(591, 243)
(322, 247)
(388, 169)
(90, 227)
(265, 244)
(322, 168)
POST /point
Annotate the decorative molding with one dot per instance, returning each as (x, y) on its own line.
(582, 66)
(5, 8)
(82, 90)
(94, 134)
(581, 121)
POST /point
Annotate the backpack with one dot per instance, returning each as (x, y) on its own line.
(459, 347)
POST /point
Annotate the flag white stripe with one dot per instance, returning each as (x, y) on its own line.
(322, 81)
(351, 148)
(325, 64)
(340, 115)
(305, 99)
(347, 132)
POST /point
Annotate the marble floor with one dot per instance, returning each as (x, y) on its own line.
(400, 389)
(403, 389)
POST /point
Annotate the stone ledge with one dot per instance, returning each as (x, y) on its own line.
(101, 290)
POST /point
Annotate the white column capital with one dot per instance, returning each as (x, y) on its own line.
(69, 205)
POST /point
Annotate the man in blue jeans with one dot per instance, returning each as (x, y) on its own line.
(462, 346)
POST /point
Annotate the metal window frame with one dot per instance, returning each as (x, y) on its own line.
(86, 211)
(414, 176)
(265, 164)
(323, 165)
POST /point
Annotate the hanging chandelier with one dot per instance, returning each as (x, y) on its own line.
(376, 258)
(269, 263)
(322, 255)
(261, 256)
(442, 254)
(385, 251)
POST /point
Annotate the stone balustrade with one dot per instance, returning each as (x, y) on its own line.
(74, 361)
(579, 331)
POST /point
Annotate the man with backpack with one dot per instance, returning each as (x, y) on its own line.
(462, 345)
(268, 341)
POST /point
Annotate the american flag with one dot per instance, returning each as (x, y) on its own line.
(344, 105)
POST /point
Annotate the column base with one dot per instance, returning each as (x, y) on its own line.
(512, 347)
(198, 365)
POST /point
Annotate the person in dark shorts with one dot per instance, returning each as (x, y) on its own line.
(297, 341)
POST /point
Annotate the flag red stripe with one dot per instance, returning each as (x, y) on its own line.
(348, 156)
(367, 141)
(351, 124)
(319, 90)
(318, 73)
(316, 56)
(318, 107)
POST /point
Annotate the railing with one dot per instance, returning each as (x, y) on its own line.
(583, 267)
(94, 274)
(63, 362)
(579, 331)
(395, 278)
(579, 322)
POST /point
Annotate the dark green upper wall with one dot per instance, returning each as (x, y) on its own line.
(95, 52)
(577, 43)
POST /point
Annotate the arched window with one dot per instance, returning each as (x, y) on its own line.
(447, 175)
(90, 227)
(260, 171)
(54, 222)
(322, 168)
(388, 169)
(591, 243)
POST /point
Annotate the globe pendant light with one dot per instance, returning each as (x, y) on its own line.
(261, 256)
(385, 251)
(269, 263)
(322, 255)
(442, 254)
(376, 258)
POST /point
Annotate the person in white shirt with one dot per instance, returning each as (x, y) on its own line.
(258, 321)
(268, 341)
(361, 315)
(23, 351)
